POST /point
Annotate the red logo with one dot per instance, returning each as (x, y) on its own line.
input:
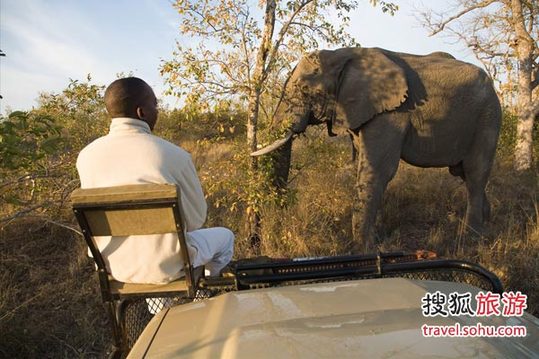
(514, 304)
(487, 304)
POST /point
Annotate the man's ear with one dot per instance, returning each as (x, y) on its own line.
(140, 113)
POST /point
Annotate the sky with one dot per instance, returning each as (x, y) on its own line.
(48, 42)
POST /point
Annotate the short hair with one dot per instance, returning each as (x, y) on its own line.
(123, 96)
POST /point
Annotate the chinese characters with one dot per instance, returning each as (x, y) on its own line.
(509, 304)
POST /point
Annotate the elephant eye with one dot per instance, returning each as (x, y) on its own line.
(316, 71)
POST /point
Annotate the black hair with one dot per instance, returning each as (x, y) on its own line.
(123, 96)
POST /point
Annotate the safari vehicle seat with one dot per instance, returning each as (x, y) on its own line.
(134, 210)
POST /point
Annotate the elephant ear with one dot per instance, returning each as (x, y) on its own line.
(371, 84)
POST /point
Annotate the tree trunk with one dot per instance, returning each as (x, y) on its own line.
(259, 76)
(253, 216)
(524, 49)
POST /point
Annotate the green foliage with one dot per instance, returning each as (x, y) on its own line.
(39, 149)
(387, 7)
(230, 185)
(26, 139)
(29, 144)
(79, 110)
(508, 136)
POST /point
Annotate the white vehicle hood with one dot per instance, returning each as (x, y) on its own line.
(375, 318)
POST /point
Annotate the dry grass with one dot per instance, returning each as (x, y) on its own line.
(422, 209)
(50, 306)
(49, 300)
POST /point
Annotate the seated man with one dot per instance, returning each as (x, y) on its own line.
(130, 154)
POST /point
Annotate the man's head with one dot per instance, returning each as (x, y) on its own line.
(131, 97)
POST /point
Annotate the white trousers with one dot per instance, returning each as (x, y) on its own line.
(211, 247)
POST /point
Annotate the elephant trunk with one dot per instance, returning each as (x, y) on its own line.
(281, 165)
(296, 128)
(301, 125)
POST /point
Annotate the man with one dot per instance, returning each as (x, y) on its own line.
(130, 154)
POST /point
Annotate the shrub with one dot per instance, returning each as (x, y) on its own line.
(508, 136)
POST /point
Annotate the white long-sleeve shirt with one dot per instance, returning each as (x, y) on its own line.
(130, 154)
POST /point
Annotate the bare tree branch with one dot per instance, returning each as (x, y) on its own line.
(441, 26)
(59, 224)
(283, 33)
(6, 220)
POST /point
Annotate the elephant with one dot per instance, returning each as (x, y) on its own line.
(428, 110)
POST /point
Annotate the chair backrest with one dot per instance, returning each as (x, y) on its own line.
(130, 210)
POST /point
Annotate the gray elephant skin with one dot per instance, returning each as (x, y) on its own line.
(430, 111)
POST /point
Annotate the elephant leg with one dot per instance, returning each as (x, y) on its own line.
(477, 165)
(486, 209)
(378, 146)
(477, 205)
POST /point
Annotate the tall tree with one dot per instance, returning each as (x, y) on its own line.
(241, 51)
(504, 36)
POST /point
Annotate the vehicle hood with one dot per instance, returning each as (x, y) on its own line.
(374, 318)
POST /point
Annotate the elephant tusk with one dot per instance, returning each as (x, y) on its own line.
(275, 145)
